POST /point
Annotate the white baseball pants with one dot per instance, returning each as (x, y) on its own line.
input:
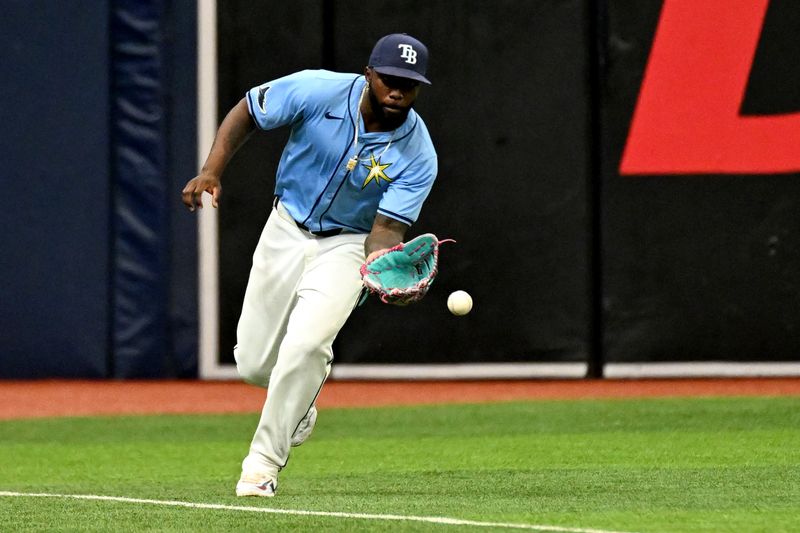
(301, 290)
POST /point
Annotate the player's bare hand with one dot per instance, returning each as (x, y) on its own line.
(192, 194)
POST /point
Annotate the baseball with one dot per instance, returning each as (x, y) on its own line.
(459, 303)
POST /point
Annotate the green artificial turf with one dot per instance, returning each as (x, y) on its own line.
(667, 465)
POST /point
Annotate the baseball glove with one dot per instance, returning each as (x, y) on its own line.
(403, 274)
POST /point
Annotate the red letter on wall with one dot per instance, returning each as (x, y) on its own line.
(687, 118)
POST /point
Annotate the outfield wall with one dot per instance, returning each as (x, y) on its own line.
(99, 264)
(620, 175)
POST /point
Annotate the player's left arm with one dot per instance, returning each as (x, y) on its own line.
(386, 232)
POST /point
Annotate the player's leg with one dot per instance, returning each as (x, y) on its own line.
(278, 264)
(327, 293)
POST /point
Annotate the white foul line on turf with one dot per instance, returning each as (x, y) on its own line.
(361, 516)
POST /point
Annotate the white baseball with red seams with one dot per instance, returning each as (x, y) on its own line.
(459, 303)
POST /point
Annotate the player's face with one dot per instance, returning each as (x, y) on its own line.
(391, 98)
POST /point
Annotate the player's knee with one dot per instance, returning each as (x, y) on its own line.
(250, 368)
(254, 375)
(250, 377)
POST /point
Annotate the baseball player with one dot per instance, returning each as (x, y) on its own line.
(352, 178)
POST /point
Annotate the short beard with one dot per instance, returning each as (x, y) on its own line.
(386, 121)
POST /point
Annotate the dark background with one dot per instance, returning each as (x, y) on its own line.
(508, 112)
(567, 260)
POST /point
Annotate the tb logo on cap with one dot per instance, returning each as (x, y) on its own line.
(409, 54)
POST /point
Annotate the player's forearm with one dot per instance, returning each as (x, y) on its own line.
(385, 233)
(232, 134)
(378, 242)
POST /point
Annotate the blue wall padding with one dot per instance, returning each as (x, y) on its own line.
(141, 188)
(99, 262)
(55, 188)
(181, 360)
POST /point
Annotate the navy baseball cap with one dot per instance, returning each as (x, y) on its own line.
(401, 55)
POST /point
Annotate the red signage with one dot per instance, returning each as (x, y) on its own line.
(687, 119)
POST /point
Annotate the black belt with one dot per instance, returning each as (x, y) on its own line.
(326, 233)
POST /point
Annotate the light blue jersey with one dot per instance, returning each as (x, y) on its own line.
(393, 174)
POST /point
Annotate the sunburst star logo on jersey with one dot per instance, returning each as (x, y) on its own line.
(376, 172)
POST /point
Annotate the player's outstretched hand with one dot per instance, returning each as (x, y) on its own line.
(192, 194)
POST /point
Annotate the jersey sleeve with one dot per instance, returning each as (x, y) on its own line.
(279, 102)
(404, 198)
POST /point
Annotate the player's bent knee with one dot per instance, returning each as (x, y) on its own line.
(253, 375)
(250, 369)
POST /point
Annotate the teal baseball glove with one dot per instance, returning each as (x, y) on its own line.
(403, 274)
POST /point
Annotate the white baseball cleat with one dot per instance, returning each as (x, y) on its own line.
(256, 486)
(305, 427)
